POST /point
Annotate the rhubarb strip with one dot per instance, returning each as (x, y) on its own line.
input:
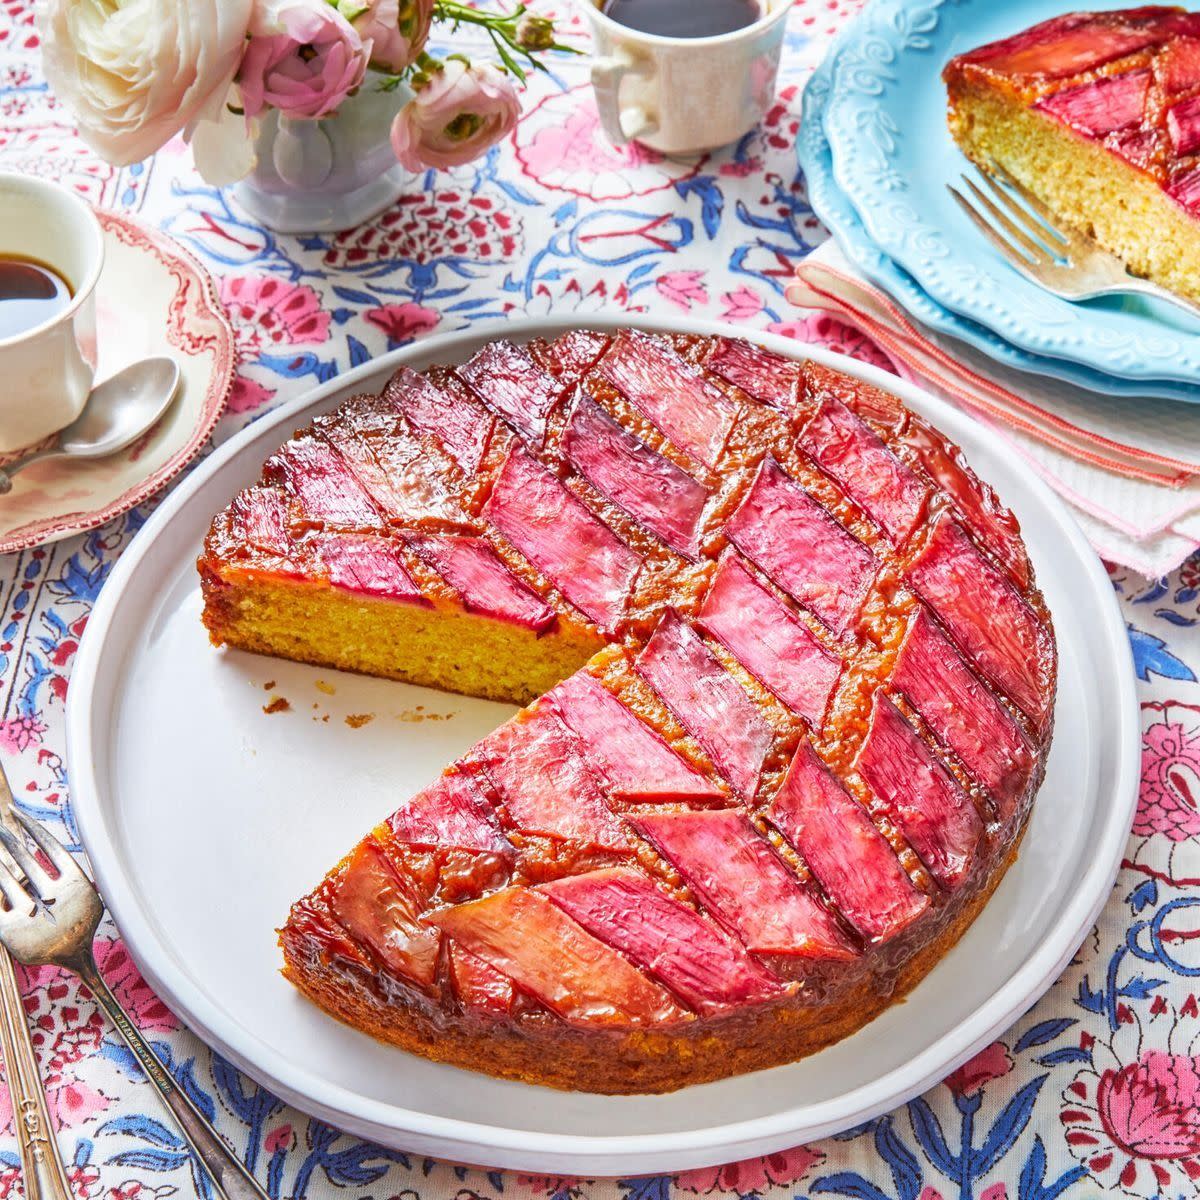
(850, 858)
(474, 570)
(379, 908)
(574, 549)
(768, 377)
(449, 412)
(962, 712)
(547, 788)
(707, 970)
(554, 959)
(514, 387)
(769, 640)
(847, 449)
(671, 393)
(650, 488)
(370, 566)
(709, 703)
(936, 815)
(801, 548)
(450, 814)
(634, 762)
(327, 490)
(987, 617)
(744, 883)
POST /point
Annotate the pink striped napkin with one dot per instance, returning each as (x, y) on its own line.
(1129, 469)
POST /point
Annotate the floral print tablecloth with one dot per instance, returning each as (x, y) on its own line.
(1094, 1093)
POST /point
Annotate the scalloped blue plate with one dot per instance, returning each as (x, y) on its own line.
(840, 216)
(893, 156)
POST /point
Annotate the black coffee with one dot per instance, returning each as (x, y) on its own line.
(30, 293)
(683, 18)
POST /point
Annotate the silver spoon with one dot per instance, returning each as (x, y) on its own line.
(116, 414)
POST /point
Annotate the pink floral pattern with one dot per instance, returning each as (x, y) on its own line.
(561, 145)
(752, 1176)
(1169, 799)
(271, 312)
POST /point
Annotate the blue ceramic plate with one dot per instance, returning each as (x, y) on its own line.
(840, 217)
(893, 155)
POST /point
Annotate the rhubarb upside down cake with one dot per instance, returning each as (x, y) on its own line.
(789, 685)
(1098, 114)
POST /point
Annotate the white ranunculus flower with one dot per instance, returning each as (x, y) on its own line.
(137, 72)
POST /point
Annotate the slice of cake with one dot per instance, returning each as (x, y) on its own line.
(793, 689)
(1098, 114)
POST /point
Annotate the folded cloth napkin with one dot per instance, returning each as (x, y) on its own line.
(1129, 469)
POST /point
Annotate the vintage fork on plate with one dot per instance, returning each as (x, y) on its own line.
(41, 1163)
(51, 917)
(1059, 259)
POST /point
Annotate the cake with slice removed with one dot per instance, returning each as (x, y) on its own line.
(1098, 114)
(792, 690)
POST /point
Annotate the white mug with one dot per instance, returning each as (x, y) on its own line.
(685, 95)
(46, 372)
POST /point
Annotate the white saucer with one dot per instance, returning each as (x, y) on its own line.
(153, 298)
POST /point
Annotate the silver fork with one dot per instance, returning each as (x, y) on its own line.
(51, 917)
(41, 1163)
(1058, 258)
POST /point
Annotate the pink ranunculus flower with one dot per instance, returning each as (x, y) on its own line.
(455, 117)
(396, 30)
(303, 58)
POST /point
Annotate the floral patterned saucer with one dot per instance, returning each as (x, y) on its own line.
(153, 298)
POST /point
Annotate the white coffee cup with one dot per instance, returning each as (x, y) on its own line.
(46, 372)
(685, 95)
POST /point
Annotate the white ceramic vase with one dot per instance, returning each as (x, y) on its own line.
(328, 175)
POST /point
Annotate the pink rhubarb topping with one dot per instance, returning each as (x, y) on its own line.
(709, 703)
(371, 566)
(1106, 105)
(986, 616)
(538, 769)
(477, 984)
(260, 518)
(937, 817)
(670, 393)
(651, 488)
(745, 884)
(707, 970)
(513, 386)
(1073, 43)
(760, 373)
(450, 413)
(769, 640)
(801, 548)
(874, 478)
(533, 942)
(474, 570)
(574, 549)
(450, 814)
(381, 909)
(634, 762)
(962, 712)
(852, 861)
(317, 475)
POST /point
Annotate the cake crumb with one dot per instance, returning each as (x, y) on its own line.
(269, 686)
(279, 704)
(358, 720)
(327, 688)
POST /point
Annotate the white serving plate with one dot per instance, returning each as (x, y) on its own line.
(204, 818)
